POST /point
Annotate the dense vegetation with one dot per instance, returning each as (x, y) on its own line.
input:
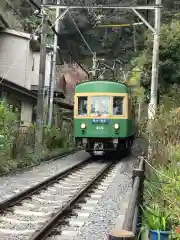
(17, 148)
(106, 42)
(161, 192)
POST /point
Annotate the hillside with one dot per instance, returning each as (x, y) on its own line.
(107, 42)
(103, 41)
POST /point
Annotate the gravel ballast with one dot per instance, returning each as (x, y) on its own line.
(10, 185)
(112, 204)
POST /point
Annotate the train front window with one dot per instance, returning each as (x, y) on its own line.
(82, 106)
(100, 106)
(118, 105)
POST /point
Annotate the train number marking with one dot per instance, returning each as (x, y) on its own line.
(99, 128)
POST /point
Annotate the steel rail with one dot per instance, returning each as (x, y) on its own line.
(45, 231)
(34, 189)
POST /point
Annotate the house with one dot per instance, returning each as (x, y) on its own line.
(19, 72)
(72, 74)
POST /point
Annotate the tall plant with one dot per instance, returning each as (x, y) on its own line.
(7, 124)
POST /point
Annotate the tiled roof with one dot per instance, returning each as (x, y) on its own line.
(73, 75)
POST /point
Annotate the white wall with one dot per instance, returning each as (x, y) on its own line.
(35, 73)
(14, 59)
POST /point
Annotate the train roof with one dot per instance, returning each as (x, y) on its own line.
(102, 86)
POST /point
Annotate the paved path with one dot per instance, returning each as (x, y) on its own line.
(9, 185)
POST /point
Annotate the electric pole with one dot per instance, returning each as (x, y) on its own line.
(53, 65)
(155, 59)
(134, 38)
(40, 99)
(154, 79)
(53, 76)
(50, 87)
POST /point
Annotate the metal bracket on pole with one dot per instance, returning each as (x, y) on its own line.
(54, 6)
(144, 20)
(59, 17)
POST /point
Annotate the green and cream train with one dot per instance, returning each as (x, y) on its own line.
(104, 117)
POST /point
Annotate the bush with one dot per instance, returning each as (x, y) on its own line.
(162, 186)
(7, 127)
(59, 137)
(17, 144)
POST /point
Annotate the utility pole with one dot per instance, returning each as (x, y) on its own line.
(53, 75)
(94, 65)
(40, 99)
(53, 65)
(155, 59)
(134, 38)
(154, 79)
(50, 85)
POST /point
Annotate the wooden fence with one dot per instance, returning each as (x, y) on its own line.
(24, 137)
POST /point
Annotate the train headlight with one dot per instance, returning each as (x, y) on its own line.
(116, 126)
(83, 125)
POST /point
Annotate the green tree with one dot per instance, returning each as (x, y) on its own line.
(169, 57)
(137, 90)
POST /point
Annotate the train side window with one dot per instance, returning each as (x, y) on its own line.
(82, 106)
(118, 105)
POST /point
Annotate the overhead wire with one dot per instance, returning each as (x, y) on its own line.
(77, 28)
(16, 11)
(31, 37)
(80, 33)
(57, 34)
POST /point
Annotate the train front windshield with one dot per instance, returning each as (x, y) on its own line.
(100, 106)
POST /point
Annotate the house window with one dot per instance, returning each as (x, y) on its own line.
(33, 64)
(3, 95)
(34, 114)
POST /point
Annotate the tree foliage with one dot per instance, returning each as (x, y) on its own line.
(109, 43)
(106, 42)
(169, 57)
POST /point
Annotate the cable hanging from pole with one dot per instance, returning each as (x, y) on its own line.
(80, 33)
(16, 12)
(55, 32)
(86, 43)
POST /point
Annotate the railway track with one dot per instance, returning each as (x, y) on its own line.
(43, 211)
